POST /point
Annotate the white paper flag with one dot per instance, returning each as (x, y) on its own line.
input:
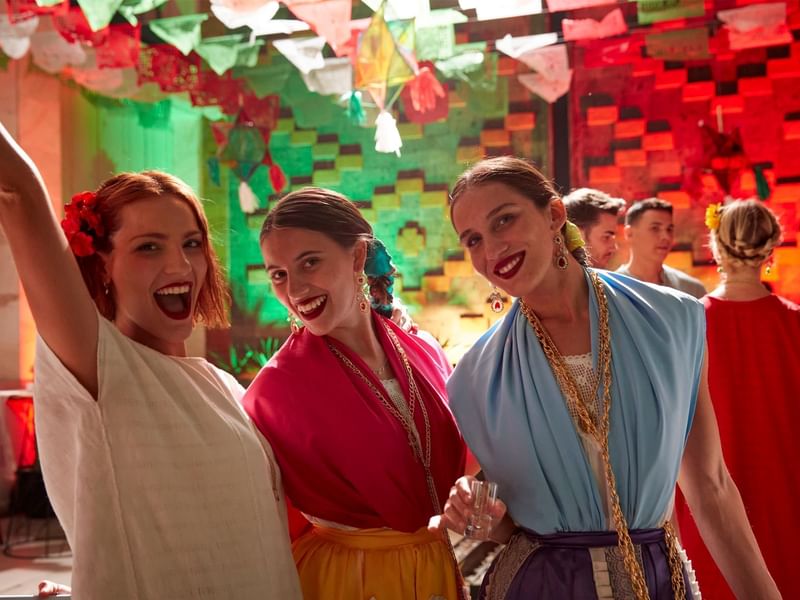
(336, 77)
(305, 53)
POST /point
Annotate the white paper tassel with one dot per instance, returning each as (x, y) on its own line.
(247, 199)
(387, 137)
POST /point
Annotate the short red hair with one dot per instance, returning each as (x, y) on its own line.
(125, 188)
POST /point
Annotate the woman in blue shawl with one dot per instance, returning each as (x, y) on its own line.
(586, 404)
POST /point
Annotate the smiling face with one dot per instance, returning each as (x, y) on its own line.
(315, 277)
(509, 239)
(601, 239)
(156, 270)
(651, 236)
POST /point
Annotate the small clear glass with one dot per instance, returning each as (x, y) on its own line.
(479, 522)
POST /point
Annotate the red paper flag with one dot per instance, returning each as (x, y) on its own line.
(328, 18)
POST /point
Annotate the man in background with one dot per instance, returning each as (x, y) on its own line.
(650, 232)
(596, 214)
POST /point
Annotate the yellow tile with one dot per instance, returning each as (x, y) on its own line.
(385, 201)
(436, 283)
(350, 162)
(458, 268)
(326, 177)
(410, 186)
(469, 154)
(437, 198)
(285, 125)
(304, 137)
(410, 131)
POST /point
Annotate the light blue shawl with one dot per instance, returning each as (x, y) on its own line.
(511, 412)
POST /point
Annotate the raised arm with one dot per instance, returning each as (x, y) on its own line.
(64, 312)
(717, 507)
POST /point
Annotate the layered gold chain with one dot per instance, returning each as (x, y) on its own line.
(599, 430)
(406, 419)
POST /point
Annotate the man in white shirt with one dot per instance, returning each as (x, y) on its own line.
(650, 233)
(595, 213)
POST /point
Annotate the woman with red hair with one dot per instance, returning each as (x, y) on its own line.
(162, 485)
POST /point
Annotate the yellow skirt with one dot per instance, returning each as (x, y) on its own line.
(379, 564)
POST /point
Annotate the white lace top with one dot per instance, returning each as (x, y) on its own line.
(582, 370)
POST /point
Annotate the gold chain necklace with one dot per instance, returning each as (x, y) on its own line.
(599, 430)
(406, 419)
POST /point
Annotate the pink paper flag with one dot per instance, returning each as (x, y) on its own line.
(549, 90)
(328, 18)
(551, 62)
(756, 25)
(553, 75)
(591, 29)
(561, 5)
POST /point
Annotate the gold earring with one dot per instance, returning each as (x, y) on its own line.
(294, 323)
(495, 300)
(719, 268)
(361, 298)
(560, 259)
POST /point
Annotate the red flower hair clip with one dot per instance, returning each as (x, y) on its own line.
(81, 224)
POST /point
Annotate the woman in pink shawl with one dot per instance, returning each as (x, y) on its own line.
(355, 410)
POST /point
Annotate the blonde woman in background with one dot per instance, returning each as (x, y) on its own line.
(754, 376)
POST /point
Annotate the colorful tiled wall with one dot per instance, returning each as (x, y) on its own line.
(635, 129)
(404, 198)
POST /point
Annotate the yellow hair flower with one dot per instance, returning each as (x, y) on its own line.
(574, 237)
(713, 212)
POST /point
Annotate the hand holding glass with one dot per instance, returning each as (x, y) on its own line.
(479, 522)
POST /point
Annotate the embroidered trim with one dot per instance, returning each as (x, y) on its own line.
(621, 586)
(508, 563)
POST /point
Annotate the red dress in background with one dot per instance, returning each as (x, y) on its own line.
(754, 379)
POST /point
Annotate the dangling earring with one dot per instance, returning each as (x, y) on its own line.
(769, 264)
(560, 259)
(294, 323)
(495, 300)
(361, 298)
(106, 288)
(719, 268)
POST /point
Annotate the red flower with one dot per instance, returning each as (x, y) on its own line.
(81, 244)
(71, 226)
(81, 223)
(85, 198)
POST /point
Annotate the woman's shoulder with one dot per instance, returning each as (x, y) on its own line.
(648, 295)
(488, 343)
(788, 305)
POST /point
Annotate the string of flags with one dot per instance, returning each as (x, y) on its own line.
(404, 50)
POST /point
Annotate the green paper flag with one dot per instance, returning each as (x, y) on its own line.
(467, 62)
(652, 11)
(181, 32)
(228, 51)
(130, 8)
(99, 12)
(266, 79)
(435, 43)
